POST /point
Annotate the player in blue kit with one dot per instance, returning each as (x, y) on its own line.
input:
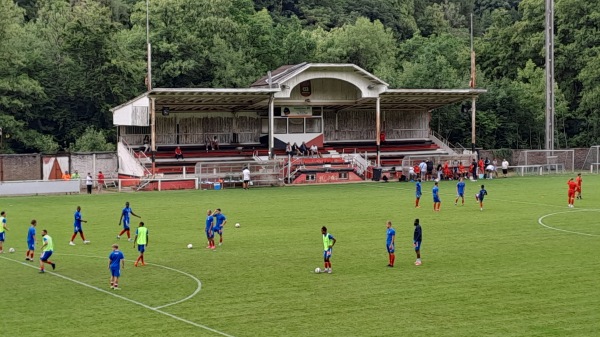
(210, 235)
(418, 193)
(417, 238)
(479, 197)
(436, 197)
(30, 241)
(125, 219)
(460, 191)
(77, 228)
(220, 221)
(116, 261)
(390, 243)
(328, 242)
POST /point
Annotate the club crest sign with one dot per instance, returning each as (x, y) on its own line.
(305, 89)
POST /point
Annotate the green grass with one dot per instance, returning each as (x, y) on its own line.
(491, 273)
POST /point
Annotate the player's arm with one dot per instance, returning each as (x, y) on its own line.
(135, 215)
(147, 239)
(123, 263)
(45, 244)
(121, 219)
(135, 239)
(109, 263)
(334, 241)
(393, 241)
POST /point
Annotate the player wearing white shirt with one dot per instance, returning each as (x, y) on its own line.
(246, 177)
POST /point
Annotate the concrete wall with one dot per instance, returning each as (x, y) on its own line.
(15, 167)
(20, 167)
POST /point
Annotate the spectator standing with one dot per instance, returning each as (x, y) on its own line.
(504, 167)
(89, 182)
(75, 175)
(246, 177)
(100, 181)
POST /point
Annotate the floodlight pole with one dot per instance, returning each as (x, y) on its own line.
(549, 75)
(149, 86)
(472, 86)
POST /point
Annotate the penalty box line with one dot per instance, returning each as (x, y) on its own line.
(125, 299)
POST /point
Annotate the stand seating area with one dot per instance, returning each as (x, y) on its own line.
(391, 153)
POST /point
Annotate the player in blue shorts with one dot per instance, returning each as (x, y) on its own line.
(220, 221)
(141, 239)
(436, 197)
(210, 235)
(125, 219)
(390, 243)
(328, 242)
(30, 241)
(116, 261)
(418, 193)
(47, 250)
(479, 197)
(3, 230)
(77, 228)
(460, 191)
(417, 238)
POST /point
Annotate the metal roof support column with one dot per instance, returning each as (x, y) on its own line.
(378, 129)
(271, 125)
(153, 133)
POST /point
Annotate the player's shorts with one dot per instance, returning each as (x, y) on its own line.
(115, 272)
(418, 195)
(460, 195)
(429, 171)
(46, 255)
(209, 233)
(77, 229)
(141, 248)
(218, 230)
(126, 224)
(246, 181)
(436, 199)
(392, 249)
(417, 245)
(31, 245)
(571, 193)
(2, 236)
(327, 253)
(480, 197)
(578, 189)
(504, 171)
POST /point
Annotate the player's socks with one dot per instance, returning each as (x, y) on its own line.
(53, 265)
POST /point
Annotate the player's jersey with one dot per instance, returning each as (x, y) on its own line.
(31, 235)
(49, 247)
(220, 218)
(209, 221)
(390, 236)
(115, 259)
(246, 174)
(327, 239)
(77, 222)
(2, 224)
(460, 188)
(142, 235)
(418, 235)
(572, 185)
(481, 194)
(418, 189)
(126, 212)
(578, 180)
(435, 191)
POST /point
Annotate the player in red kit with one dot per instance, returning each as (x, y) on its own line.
(572, 188)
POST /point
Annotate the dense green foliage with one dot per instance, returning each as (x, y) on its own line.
(65, 63)
(491, 273)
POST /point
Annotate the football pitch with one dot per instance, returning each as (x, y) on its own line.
(524, 266)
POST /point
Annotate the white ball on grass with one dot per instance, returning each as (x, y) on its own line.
(317, 270)
(237, 225)
(11, 250)
(190, 246)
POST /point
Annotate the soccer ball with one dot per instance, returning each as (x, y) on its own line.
(11, 250)
(190, 246)
(317, 270)
(237, 225)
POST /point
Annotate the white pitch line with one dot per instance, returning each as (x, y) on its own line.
(564, 230)
(198, 282)
(125, 299)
